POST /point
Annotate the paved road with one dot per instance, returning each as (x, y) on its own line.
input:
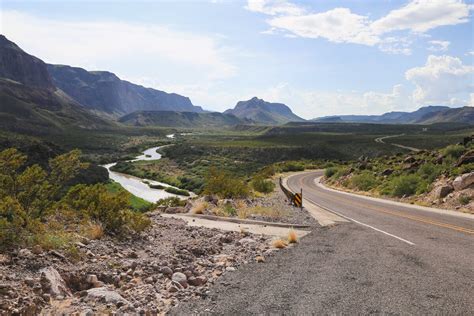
(381, 140)
(388, 259)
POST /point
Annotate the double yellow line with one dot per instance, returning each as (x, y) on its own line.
(404, 215)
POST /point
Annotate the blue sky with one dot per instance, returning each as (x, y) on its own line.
(318, 57)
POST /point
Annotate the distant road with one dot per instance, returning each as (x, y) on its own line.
(388, 259)
(381, 140)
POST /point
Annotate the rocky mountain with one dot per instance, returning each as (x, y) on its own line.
(29, 101)
(424, 115)
(458, 115)
(182, 119)
(263, 112)
(104, 91)
(21, 67)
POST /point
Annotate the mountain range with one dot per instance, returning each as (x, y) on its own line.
(37, 97)
(424, 115)
(264, 112)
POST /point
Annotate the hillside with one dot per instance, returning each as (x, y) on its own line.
(29, 102)
(181, 119)
(264, 112)
(19, 66)
(424, 115)
(459, 115)
(104, 91)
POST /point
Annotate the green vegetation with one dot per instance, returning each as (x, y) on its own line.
(37, 207)
(171, 202)
(364, 181)
(136, 203)
(260, 184)
(225, 185)
(464, 199)
(177, 191)
(401, 175)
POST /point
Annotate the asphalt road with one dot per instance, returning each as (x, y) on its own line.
(387, 259)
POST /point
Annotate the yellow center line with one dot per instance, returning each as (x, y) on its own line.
(401, 214)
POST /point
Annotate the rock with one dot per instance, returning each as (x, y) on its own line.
(197, 281)
(466, 158)
(53, 283)
(260, 259)
(5, 289)
(387, 172)
(246, 241)
(175, 210)
(442, 191)
(230, 269)
(211, 199)
(56, 254)
(409, 159)
(106, 295)
(25, 253)
(37, 250)
(166, 271)
(29, 281)
(463, 181)
(180, 278)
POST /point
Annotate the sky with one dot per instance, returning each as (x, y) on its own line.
(320, 57)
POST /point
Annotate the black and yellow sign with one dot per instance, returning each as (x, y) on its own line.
(298, 200)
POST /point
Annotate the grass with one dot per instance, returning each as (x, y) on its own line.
(135, 202)
(292, 237)
(199, 208)
(279, 243)
(246, 212)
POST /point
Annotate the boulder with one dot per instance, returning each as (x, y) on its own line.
(180, 278)
(466, 158)
(175, 210)
(53, 283)
(197, 281)
(387, 172)
(463, 181)
(106, 295)
(442, 191)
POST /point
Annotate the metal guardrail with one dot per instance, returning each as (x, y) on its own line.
(295, 198)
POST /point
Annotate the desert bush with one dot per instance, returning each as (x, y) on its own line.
(225, 185)
(172, 201)
(329, 172)
(260, 184)
(292, 237)
(464, 199)
(405, 185)
(429, 172)
(177, 191)
(279, 243)
(291, 166)
(454, 151)
(99, 205)
(364, 181)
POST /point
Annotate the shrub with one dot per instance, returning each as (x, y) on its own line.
(291, 166)
(329, 172)
(279, 243)
(454, 151)
(225, 185)
(405, 185)
(464, 199)
(364, 181)
(177, 191)
(292, 237)
(172, 201)
(429, 172)
(259, 184)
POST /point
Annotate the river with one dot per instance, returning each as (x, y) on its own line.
(135, 185)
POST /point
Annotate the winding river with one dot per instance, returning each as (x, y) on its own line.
(136, 185)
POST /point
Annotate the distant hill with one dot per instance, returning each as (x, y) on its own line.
(104, 91)
(458, 115)
(21, 67)
(29, 102)
(263, 112)
(182, 119)
(424, 115)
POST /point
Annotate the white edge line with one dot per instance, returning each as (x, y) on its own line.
(363, 224)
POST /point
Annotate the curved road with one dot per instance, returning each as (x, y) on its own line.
(387, 259)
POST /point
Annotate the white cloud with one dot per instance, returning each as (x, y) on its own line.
(118, 46)
(423, 15)
(439, 46)
(441, 79)
(338, 25)
(274, 7)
